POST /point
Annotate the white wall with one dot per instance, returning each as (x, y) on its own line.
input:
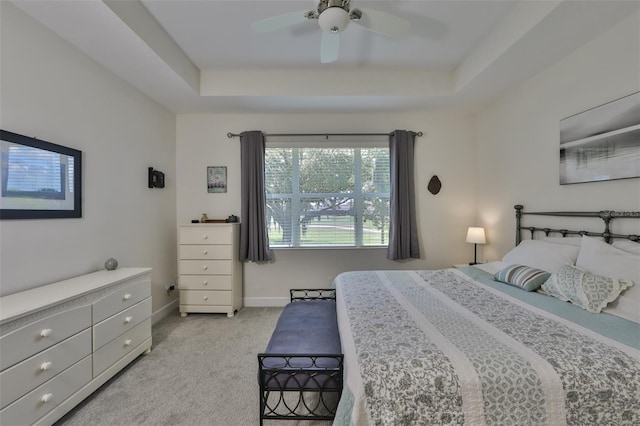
(447, 149)
(518, 138)
(51, 91)
(507, 155)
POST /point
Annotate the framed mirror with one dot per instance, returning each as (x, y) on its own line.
(40, 180)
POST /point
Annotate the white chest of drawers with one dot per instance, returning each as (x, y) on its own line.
(60, 342)
(210, 273)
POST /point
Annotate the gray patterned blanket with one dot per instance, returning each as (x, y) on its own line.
(437, 347)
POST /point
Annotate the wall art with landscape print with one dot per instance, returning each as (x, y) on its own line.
(38, 179)
(602, 143)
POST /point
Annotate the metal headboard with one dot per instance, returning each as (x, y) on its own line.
(606, 215)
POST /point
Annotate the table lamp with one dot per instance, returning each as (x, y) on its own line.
(475, 235)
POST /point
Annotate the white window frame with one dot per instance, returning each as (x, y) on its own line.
(357, 195)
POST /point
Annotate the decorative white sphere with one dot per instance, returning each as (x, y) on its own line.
(334, 19)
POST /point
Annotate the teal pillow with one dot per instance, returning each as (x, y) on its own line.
(589, 291)
(524, 277)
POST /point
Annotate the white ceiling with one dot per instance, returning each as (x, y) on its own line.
(202, 56)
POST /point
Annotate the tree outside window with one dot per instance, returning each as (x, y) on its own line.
(327, 196)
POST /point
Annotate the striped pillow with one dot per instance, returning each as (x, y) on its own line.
(524, 277)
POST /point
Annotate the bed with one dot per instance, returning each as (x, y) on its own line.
(459, 346)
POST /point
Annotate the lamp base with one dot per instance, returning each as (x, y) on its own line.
(475, 255)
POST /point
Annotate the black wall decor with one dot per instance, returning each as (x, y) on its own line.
(434, 185)
(156, 178)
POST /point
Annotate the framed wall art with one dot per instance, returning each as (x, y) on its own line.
(39, 179)
(602, 143)
(216, 179)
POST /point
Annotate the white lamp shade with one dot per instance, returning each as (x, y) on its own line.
(475, 235)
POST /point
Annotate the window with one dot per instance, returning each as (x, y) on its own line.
(331, 196)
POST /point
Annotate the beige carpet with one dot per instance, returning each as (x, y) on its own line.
(202, 370)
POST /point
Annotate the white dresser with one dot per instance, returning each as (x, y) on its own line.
(210, 272)
(60, 342)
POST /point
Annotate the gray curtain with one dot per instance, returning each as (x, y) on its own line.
(254, 241)
(403, 233)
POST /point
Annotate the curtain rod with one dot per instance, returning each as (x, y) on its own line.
(235, 135)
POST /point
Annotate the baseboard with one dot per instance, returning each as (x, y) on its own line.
(164, 311)
(250, 302)
(254, 302)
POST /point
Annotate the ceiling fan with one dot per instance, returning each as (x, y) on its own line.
(333, 17)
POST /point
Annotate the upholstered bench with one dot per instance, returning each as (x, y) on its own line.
(301, 371)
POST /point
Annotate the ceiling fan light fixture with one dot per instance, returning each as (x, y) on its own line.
(334, 19)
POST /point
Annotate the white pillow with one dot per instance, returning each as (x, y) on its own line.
(563, 240)
(625, 305)
(492, 267)
(627, 245)
(589, 291)
(602, 259)
(542, 255)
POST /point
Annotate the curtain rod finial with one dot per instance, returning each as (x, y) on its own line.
(230, 135)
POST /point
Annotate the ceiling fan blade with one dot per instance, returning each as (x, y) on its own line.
(278, 22)
(329, 47)
(383, 23)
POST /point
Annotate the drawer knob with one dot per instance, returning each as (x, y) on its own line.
(205, 267)
(205, 252)
(205, 282)
(46, 332)
(127, 342)
(45, 366)
(204, 237)
(127, 320)
(46, 397)
(206, 297)
(127, 296)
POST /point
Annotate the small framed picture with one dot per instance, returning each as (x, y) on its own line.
(216, 179)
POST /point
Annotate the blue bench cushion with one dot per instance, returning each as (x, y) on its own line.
(306, 327)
